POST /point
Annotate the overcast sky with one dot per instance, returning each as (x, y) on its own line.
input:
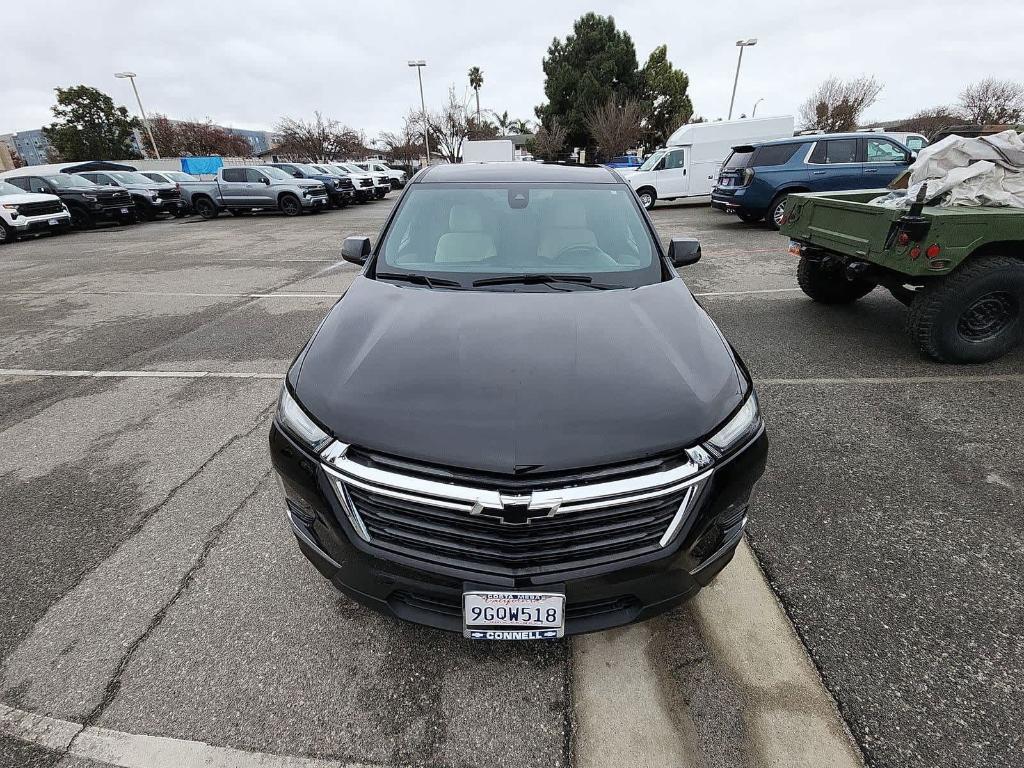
(246, 64)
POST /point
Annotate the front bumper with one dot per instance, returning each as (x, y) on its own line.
(32, 225)
(341, 196)
(597, 597)
(173, 207)
(314, 202)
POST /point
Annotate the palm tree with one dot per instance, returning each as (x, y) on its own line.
(519, 126)
(476, 80)
(503, 121)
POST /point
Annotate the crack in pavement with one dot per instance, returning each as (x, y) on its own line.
(114, 684)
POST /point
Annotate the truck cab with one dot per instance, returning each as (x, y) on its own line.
(151, 198)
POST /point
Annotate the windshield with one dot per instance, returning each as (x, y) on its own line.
(353, 168)
(333, 169)
(276, 173)
(653, 160)
(10, 189)
(311, 169)
(127, 177)
(466, 232)
(67, 180)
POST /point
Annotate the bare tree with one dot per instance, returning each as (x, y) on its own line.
(406, 145)
(318, 140)
(449, 128)
(547, 142)
(184, 138)
(929, 121)
(993, 102)
(615, 127)
(837, 105)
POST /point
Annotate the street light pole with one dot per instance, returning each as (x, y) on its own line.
(741, 44)
(420, 64)
(145, 120)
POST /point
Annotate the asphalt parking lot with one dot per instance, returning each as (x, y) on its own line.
(151, 585)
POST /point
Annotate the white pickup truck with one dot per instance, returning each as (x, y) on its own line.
(25, 213)
(240, 189)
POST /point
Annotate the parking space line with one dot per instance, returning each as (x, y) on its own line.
(130, 750)
(43, 372)
(745, 293)
(963, 378)
(271, 295)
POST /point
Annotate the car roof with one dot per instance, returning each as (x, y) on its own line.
(511, 171)
(811, 137)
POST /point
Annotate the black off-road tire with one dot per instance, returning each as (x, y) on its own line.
(205, 207)
(81, 218)
(973, 315)
(828, 284)
(290, 205)
(6, 234)
(749, 217)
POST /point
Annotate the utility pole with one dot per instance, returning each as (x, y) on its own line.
(145, 120)
(419, 64)
(741, 44)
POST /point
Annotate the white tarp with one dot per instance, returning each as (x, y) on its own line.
(986, 171)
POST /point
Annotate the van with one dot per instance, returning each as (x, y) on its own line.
(688, 165)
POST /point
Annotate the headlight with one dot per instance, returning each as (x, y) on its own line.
(295, 420)
(11, 206)
(739, 428)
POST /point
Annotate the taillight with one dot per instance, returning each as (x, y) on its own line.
(748, 176)
(903, 238)
(933, 251)
(915, 252)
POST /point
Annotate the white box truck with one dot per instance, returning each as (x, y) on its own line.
(489, 151)
(689, 163)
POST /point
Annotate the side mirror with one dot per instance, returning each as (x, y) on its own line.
(356, 250)
(683, 251)
(265, 180)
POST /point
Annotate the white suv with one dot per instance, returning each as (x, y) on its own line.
(23, 213)
(377, 166)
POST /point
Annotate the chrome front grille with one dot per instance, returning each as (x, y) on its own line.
(544, 531)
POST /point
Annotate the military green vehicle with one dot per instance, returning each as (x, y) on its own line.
(960, 270)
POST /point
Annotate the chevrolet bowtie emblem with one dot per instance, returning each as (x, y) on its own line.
(516, 510)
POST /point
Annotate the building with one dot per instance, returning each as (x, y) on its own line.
(33, 147)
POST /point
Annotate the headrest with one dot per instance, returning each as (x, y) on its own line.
(569, 214)
(465, 218)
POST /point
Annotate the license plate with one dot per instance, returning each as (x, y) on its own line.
(794, 248)
(513, 615)
(54, 222)
(124, 211)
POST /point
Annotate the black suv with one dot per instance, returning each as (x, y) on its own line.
(518, 423)
(87, 203)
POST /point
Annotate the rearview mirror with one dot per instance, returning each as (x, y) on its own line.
(356, 250)
(683, 251)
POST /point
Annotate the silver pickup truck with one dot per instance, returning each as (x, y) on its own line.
(240, 189)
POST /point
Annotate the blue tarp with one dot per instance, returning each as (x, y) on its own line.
(200, 165)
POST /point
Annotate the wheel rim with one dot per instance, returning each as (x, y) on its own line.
(778, 213)
(289, 206)
(645, 198)
(204, 208)
(988, 316)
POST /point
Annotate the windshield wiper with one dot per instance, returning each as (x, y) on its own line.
(411, 277)
(534, 279)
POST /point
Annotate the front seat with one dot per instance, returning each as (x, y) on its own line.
(466, 240)
(566, 227)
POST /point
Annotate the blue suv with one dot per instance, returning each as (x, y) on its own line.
(755, 178)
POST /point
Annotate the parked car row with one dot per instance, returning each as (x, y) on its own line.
(55, 198)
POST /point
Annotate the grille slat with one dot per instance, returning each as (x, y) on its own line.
(566, 540)
(41, 208)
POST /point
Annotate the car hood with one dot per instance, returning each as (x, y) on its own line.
(28, 197)
(495, 381)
